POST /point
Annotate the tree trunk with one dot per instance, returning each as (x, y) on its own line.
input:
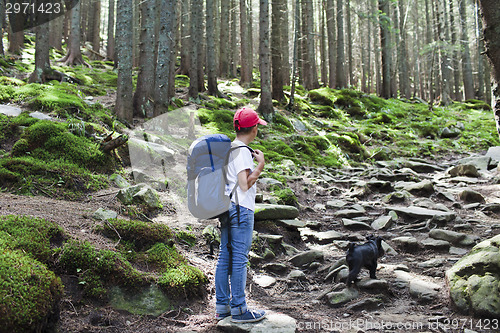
(42, 47)
(246, 70)
(185, 39)
(404, 83)
(193, 68)
(284, 33)
(234, 55)
(96, 31)
(16, 32)
(277, 47)
(211, 51)
(491, 25)
(56, 30)
(266, 103)
(443, 50)
(74, 55)
(144, 93)
(166, 56)
(341, 76)
(457, 95)
(225, 50)
(385, 41)
(349, 44)
(124, 106)
(480, 51)
(110, 47)
(332, 42)
(466, 60)
(322, 43)
(201, 54)
(2, 23)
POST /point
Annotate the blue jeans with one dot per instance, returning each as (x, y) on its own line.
(230, 285)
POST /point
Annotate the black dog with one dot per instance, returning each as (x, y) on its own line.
(364, 255)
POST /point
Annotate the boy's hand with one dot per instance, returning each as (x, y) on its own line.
(259, 156)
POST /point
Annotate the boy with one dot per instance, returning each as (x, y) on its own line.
(231, 271)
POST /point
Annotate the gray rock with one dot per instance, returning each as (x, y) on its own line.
(469, 170)
(422, 213)
(397, 197)
(436, 244)
(104, 214)
(140, 194)
(473, 281)
(349, 213)
(292, 224)
(382, 223)
(272, 323)
(335, 204)
(494, 153)
(275, 212)
(296, 275)
(471, 196)
(321, 237)
(431, 263)
(373, 284)
(457, 251)
(406, 243)
(366, 304)
(424, 291)
(424, 187)
(456, 238)
(271, 239)
(307, 257)
(355, 225)
(119, 181)
(298, 125)
(265, 281)
(277, 268)
(481, 163)
(146, 301)
(338, 298)
(290, 250)
(41, 116)
(10, 110)
(422, 167)
(268, 183)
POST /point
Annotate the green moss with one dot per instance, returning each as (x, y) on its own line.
(220, 121)
(32, 235)
(142, 234)
(286, 197)
(29, 293)
(98, 268)
(186, 237)
(183, 280)
(323, 96)
(217, 103)
(281, 123)
(182, 81)
(164, 256)
(474, 104)
(11, 81)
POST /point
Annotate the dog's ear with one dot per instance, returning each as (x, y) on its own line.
(379, 246)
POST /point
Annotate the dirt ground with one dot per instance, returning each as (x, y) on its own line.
(304, 301)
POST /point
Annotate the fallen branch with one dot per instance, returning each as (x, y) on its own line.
(109, 145)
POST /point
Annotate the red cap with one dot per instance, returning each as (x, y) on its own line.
(247, 117)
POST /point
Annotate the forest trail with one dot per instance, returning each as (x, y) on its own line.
(391, 301)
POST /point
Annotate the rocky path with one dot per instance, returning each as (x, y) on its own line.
(429, 214)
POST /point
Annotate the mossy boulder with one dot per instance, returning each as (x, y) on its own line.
(474, 281)
(29, 294)
(324, 96)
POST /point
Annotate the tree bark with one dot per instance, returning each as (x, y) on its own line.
(110, 47)
(56, 29)
(457, 95)
(385, 41)
(234, 55)
(277, 48)
(224, 39)
(166, 57)
(491, 25)
(42, 47)
(266, 103)
(349, 44)
(245, 47)
(74, 55)
(211, 51)
(341, 75)
(124, 105)
(480, 51)
(332, 42)
(404, 83)
(185, 38)
(2, 22)
(466, 60)
(144, 93)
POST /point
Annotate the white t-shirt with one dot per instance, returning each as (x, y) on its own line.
(239, 160)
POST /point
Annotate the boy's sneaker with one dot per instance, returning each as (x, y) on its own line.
(220, 316)
(250, 316)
